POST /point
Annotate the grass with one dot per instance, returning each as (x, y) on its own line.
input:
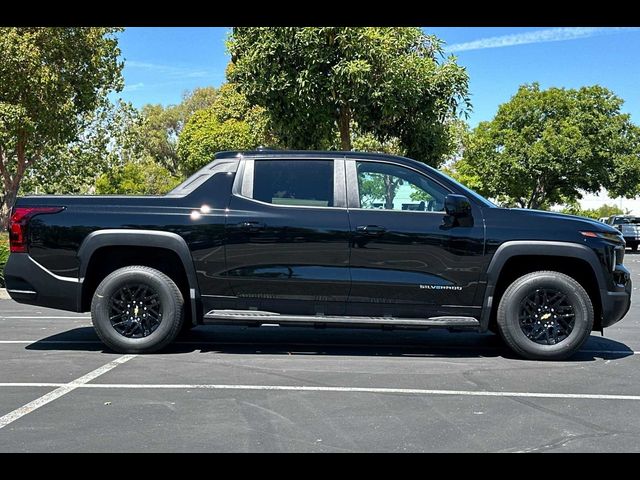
(4, 254)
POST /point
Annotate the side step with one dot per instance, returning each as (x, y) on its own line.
(257, 317)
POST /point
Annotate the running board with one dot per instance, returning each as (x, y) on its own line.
(257, 317)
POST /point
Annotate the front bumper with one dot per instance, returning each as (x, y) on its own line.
(29, 282)
(616, 302)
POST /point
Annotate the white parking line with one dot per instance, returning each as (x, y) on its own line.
(302, 388)
(62, 389)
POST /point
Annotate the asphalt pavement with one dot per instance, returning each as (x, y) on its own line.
(270, 389)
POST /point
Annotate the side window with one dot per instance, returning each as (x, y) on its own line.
(392, 187)
(294, 182)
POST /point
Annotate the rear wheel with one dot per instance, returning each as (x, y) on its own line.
(545, 316)
(137, 310)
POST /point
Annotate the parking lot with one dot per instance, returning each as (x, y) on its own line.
(275, 389)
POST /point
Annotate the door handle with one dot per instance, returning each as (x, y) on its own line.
(371, 230)
(250, 226)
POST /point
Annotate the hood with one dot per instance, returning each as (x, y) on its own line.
(580, 223)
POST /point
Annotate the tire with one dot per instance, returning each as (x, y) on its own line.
(533, 287)
(634, 247)
(147, 332)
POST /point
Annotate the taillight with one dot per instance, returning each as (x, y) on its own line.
(18, 225)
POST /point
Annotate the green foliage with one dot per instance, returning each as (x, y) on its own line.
(545, 146)
(376, 187)
(136, 178)
(4, 255)
(316, 83)
(595, 213)
(367, 142)
(49, 79)
(161, 126)
(115, 136)
(461, 172)
(230, 123)
(112, 137)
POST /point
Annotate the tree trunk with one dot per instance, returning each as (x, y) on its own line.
(5, 209)
(344, 125)
(537, 196)
(11, 182)
(389, 192)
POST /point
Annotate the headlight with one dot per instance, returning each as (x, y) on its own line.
(614, 237)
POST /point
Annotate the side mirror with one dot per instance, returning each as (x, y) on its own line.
(458, 210)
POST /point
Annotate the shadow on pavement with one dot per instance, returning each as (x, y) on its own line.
(335, 342)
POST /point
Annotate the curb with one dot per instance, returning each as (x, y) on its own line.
(4, 295)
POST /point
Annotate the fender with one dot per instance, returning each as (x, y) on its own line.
(150, 238)
(534, 247)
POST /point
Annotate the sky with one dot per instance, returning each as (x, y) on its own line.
(162, 63)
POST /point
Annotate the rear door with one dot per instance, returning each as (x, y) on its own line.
(287, 232)
(405, 261)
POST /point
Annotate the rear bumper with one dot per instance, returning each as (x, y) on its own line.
(616, 303)
(29, 282)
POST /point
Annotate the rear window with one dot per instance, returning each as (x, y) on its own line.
(306, 183)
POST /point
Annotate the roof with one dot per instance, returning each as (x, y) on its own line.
(311, 154)
(314, 154)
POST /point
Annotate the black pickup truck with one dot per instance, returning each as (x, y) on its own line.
(321, 239)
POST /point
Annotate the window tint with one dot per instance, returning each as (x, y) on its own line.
(294, 182)
(391, 187)
(626, 220)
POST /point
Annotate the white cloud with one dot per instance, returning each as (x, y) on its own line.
(131, 88)
(537, 36)
(171, 70)
(146, 65)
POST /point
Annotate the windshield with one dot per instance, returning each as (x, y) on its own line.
(626, 220)
(469, 192)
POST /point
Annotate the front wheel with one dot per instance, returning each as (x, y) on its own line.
(137, 310)
(545, 316)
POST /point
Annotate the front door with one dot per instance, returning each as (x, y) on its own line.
(405, 261)
(287, 232)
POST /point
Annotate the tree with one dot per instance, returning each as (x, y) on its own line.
(546, 146)
(316, 82)
(136, 178)
(602, 211)
(230, 123)
(162, 126)
(111, 137)
(49, 79)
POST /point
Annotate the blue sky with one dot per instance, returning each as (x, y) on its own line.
(162, 63)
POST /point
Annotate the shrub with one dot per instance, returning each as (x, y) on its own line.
(4, 254)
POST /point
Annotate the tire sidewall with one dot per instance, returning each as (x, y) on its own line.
(100, 311)
(510, 324)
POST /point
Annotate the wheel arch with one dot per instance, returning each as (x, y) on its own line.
(562, 253)
(124, 238)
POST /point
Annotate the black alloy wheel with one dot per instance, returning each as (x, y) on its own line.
(135, 310)
(546, 316)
